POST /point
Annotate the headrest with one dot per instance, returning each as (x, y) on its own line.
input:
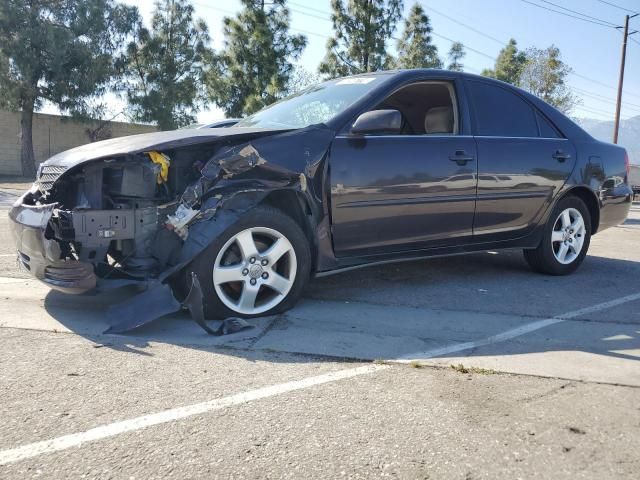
(439, 120)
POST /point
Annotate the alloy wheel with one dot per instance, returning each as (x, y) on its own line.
(255, 270)
(567, 237)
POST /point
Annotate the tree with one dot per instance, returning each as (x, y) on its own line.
(456, 54)
(165, 66)
(362, 30)
(301, 78)
(255, 66)
(61, 51)
(415, 48)
(509, 64)
(544, 75)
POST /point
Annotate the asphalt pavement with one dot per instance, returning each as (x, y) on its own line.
(463, 367)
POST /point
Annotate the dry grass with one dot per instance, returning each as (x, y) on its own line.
(460, 368)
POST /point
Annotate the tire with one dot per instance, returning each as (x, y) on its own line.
(562, 234)
(225, 259)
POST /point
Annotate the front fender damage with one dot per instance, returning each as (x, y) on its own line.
(233, 181)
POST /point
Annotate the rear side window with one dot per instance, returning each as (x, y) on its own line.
(501, 113)
(546, 129)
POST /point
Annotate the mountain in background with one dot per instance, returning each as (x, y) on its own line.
(628, 136)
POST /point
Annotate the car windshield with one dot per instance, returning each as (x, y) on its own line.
(316, 104)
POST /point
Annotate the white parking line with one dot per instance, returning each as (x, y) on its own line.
(501, 337)
(515, 332)
(113, 429)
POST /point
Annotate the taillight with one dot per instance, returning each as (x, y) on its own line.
(627, 164)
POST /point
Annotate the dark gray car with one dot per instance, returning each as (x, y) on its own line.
(355, 171)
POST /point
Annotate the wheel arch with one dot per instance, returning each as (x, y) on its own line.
(296, 206)
(590, 200)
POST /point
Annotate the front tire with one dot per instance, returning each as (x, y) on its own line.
(258, 266)
(565, 241)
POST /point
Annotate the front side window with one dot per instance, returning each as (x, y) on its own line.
(500, 113)
(427, 108)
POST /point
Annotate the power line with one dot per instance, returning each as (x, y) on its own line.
(497, 40)
(578, 13)
(307, 32)
(588, 79)
(616, 6)
(602, 97)
(627, 106)
(486, 55)
(324, 12)
(503, 43)
(490, 57)
(211, 7)
(608, 25)
(595, 111)
(312, 15)
(466, 46)
(396, 38)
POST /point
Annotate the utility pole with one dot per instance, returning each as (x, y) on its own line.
(621, 80)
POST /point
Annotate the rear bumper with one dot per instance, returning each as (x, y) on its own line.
(615, 206)
(40, 256)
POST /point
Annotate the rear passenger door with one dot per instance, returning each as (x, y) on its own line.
(522, 161)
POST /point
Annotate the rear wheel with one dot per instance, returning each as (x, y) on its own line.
(258, 266)
(565, 241)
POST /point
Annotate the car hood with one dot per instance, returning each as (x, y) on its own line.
(150, 141)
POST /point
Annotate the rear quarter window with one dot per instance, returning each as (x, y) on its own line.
(500, 113)
(546, 129)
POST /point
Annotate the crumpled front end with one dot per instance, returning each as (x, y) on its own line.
(142, 217)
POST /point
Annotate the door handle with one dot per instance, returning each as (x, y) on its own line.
(561, 156)
(461, 158)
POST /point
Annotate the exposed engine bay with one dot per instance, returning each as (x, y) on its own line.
(116, 213)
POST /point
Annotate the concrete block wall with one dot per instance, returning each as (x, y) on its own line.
(51, 134)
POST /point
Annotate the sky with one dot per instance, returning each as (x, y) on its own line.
(592, 50)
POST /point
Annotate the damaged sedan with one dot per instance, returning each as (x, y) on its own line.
(381, 167)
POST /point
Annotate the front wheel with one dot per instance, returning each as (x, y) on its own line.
(258, 266)
(565, 241)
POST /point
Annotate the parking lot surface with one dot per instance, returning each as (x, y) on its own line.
(356, 381)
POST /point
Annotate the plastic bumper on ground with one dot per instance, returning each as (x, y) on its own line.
(40, 256)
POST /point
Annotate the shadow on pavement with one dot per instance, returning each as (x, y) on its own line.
(409, 309)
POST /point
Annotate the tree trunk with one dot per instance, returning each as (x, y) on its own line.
(27, 158)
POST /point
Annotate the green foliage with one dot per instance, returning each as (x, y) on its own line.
(415, 48)
(300, 79)
(255, 66)
(456, 54)
(362, 29)
(541, 72)
(165, 66)
(545, 74)
(509, 64)
(61, 51)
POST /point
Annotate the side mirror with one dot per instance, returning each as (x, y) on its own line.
(378, 122)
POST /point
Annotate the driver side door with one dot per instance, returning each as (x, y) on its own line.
(402, 192)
